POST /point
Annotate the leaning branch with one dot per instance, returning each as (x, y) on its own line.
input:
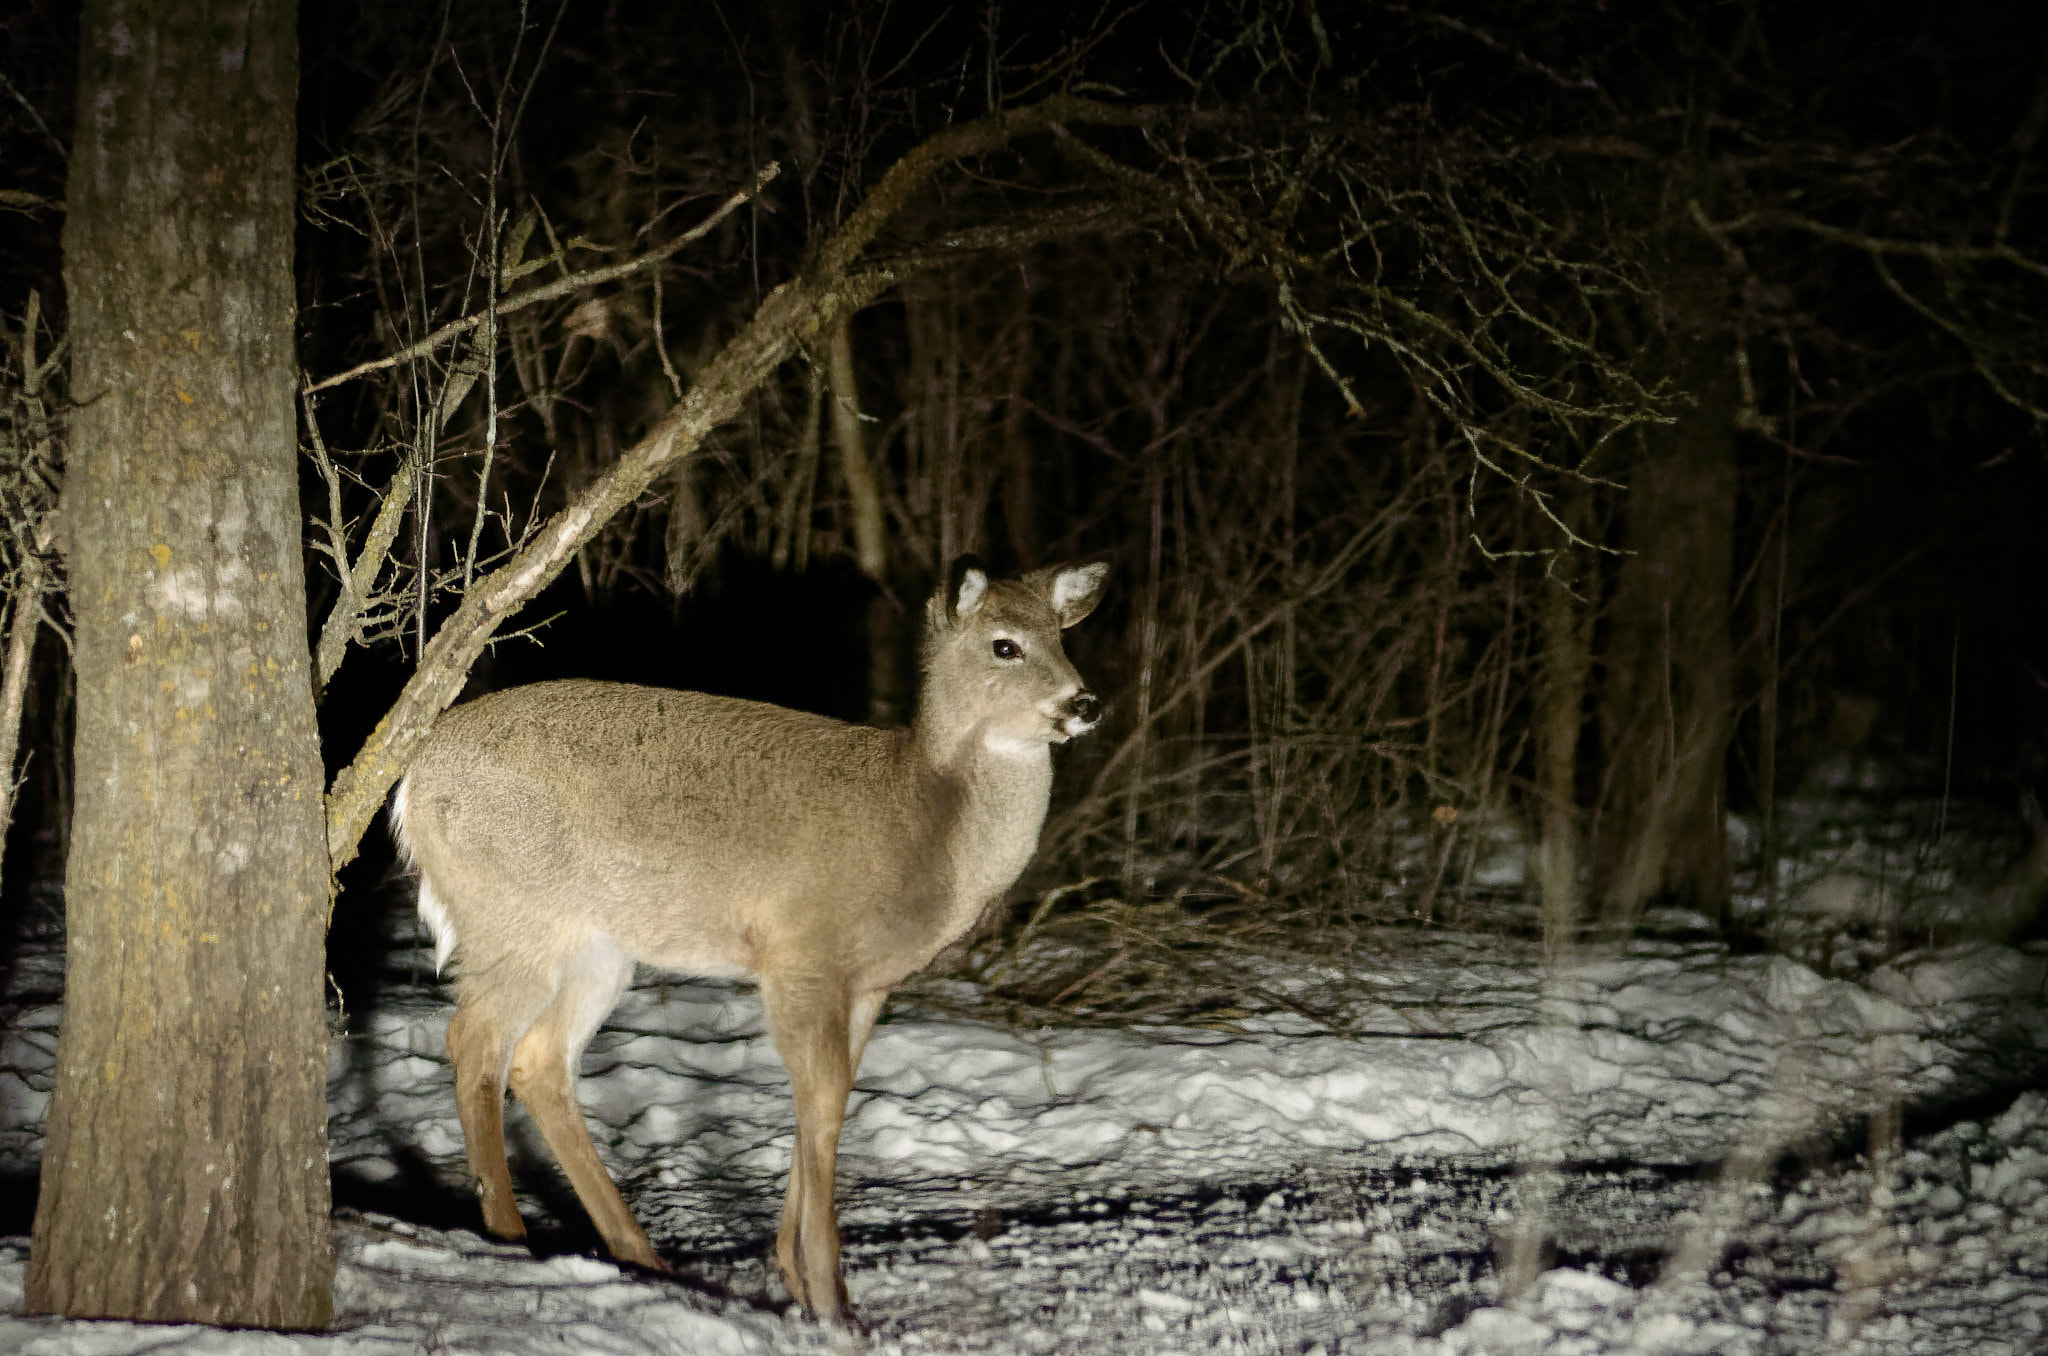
(32, 467)
(27, 600)
(798, 312)
(794, 313)
(351, 614)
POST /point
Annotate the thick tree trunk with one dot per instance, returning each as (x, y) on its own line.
(1669, 660)
(185, 1171)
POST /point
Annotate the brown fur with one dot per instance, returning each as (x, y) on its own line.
(565, 831)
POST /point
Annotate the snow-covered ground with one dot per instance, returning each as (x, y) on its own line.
(1661, 1149)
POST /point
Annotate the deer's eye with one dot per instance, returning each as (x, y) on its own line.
(1008, 649)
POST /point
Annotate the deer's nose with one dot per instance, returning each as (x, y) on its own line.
(1085, 707)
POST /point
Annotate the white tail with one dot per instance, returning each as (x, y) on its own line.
(565, 831)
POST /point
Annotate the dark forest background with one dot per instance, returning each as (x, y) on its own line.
(1575, 422)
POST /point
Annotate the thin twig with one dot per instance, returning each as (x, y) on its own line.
(561, 287)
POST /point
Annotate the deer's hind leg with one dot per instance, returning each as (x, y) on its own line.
(543, 1074)
(480, 1039)
(866, 1008)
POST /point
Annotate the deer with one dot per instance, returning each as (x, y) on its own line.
(565, 832)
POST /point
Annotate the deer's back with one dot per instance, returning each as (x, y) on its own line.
(699, 832)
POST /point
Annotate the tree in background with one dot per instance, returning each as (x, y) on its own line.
(1835, 221)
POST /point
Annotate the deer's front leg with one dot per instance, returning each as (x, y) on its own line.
(810, 1020)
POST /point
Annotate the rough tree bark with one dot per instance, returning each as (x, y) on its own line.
(1669, 661)
(185, 1171)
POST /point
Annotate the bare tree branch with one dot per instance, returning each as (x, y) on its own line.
(798, 312)
(561, 287)
(1931, 250)
(28, 496)
(351, 615)
(1985, 348)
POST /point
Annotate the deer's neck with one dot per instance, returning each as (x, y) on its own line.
(989, 797)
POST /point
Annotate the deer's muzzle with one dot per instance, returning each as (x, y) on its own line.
(1081, 713)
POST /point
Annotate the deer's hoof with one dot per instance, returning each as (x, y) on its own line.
(841, 1320)
(505, 1225)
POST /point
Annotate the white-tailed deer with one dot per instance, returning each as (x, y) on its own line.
(565, 831)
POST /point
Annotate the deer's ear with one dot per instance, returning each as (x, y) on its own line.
(966, 587)
(1073, 590)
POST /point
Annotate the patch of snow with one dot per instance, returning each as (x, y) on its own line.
(404, 1289)
(1278, 1186)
